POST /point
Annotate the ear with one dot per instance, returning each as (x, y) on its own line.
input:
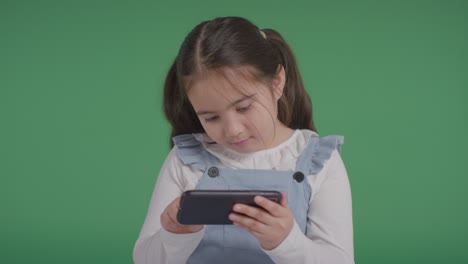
(278, 82)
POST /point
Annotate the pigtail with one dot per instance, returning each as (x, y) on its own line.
(294, 107)
(177, 108)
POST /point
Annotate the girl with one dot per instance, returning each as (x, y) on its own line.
(241, 119)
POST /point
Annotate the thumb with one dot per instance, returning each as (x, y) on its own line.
(284, 199)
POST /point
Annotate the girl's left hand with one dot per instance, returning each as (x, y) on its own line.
(270, 225)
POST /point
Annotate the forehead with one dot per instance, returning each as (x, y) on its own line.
(226, 82)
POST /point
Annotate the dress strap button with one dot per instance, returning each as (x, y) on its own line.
(213, 172)
(298, 176)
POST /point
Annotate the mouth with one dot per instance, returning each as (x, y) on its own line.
(240, 142)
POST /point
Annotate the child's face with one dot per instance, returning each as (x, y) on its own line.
(238, 114)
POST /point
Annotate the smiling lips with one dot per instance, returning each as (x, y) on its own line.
(240, 142)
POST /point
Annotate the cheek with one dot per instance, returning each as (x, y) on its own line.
(212, 130)
(262, 116)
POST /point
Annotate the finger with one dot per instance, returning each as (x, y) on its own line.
(255, 233)
(284, 199)
(164, 218)
(273, 208)
(167, 222)
(253, 212)
(172, 212)
(248, 223)
(173, 218)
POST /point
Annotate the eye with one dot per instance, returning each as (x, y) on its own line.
(244, 109)
(211, 119)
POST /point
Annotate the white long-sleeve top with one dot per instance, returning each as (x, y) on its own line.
(329, 237)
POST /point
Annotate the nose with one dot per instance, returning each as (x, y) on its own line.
(233, 127)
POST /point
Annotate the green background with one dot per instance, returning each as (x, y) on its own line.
(83, 135)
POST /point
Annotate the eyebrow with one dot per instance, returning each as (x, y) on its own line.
(230, 105)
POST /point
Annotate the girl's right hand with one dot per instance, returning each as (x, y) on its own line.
(170, 223)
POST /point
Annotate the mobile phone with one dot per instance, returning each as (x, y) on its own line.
(212, 207)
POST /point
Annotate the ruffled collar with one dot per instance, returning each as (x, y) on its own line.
(279, 157)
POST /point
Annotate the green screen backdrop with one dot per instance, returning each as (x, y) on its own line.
(83, 136)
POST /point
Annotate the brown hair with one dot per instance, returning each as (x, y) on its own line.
(234, 42)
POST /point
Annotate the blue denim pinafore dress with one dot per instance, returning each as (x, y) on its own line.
(231, 244)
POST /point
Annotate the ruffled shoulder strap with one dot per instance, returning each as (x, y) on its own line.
(317, 152)
(191, 152)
